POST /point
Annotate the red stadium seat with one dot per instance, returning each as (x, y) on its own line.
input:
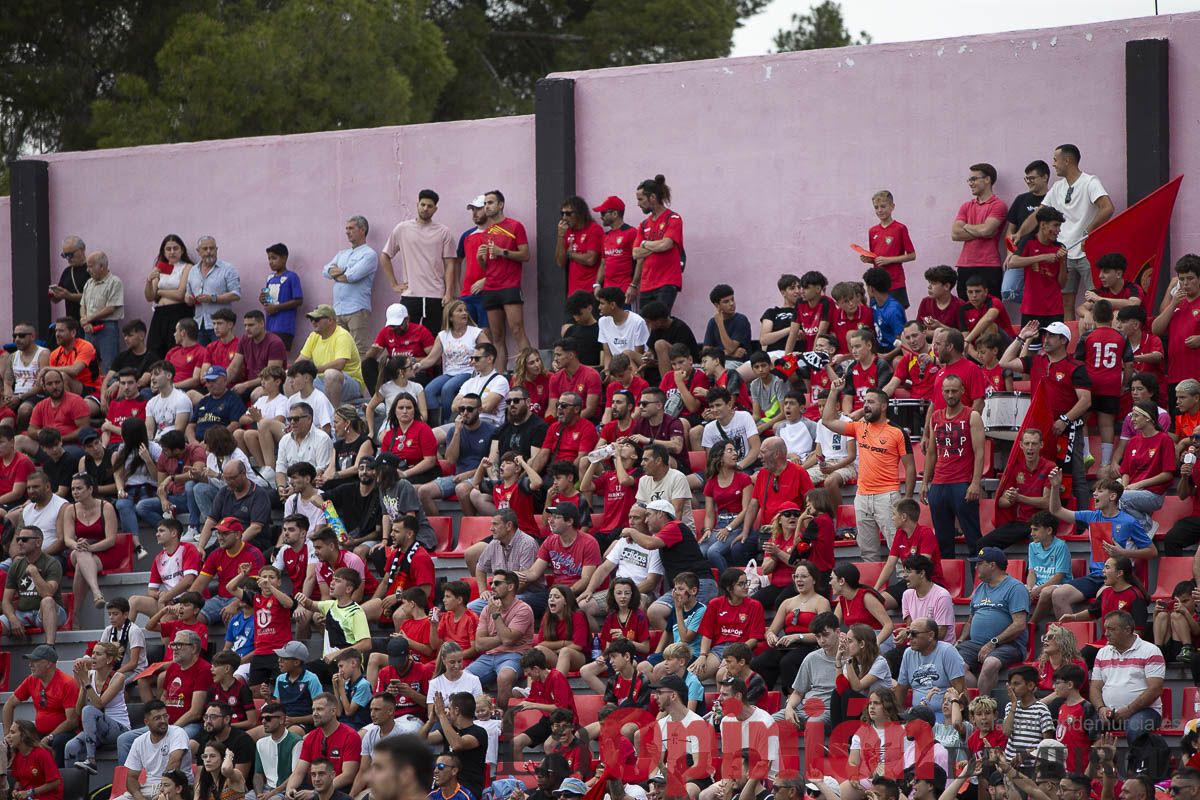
(1168, 716)
(68, 599)
(846, 517)
(958, 629)
(868, 571)
(1079, 567)
(1023, 386)
(443, 530)
(472, 585)
(987, 514)
(655, 637)
(523, 721)
(1171, 570)
(989, 458)
(926, 517)
(1173, 510)
(855, 706)
(771, 702)
(1190, 707)
(5, 667)
(1018, 569)
(116, 560)
(954, 570)
(697, 460)
(698, 519)
(1085, 632)
(588, 706)
(471, 530)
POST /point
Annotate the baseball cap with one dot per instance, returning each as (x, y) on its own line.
(993, 554)
(571, 786)
(397, 651)
(387, 459)
(1059, 329)
(43, 652)
(479, 202)
(673, 683)
(87, 434)
(215, 372)
(323, 310)
(293, 649)
(568, 511)
(230, 524)
(396, 314)
(788, 506)
(658, 778)
(611, 203)
(661, 505)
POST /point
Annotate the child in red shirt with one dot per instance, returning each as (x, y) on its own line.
(183, 614)
(1108, 358)
(412, 622)
(1076, 716)
(548, 692)
(891, 244)
(457, 623)
(851, 313)
(983, 716)
(987, 349)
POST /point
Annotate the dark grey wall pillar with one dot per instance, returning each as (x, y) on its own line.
(1148, 128)
(554, 142)
(29, 225)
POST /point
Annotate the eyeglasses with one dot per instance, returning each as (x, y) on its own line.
(568, 405)
(789, 513)
(177, 645)
(477, 358)
(742, 582)
(564, 213)
(1031, 178)
(27, 538)
(975, 179)
(1070, 191)
(266, 717)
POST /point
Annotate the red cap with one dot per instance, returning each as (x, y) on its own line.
(230, 524)
(612, 203)
(788, 506)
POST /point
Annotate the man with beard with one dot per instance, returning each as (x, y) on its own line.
(426, 250)
(358, 505)
(62, 410)
(472, 276)
(522, 433)
(621, 422)
(505, 249)
(951, 484)
(401, 768)
(570, 437)
(217, 728)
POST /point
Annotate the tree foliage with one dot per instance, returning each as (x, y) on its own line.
(822, 27)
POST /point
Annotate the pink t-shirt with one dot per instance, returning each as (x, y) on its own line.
(936, 605)
(982, 252)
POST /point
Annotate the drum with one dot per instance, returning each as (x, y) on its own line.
(908, 414)
(1003, 413)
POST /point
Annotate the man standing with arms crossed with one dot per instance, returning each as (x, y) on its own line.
(353, 273)
(882, 449)
(427, 256)
(979, 226)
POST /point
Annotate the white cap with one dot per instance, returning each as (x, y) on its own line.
(396, 314)
(479, 202)
(662, 505)
(635, 791)
(1058, 328)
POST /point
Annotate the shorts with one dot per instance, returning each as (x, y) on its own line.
(33, 619)
(1088, 585)
(708, 590)
(213, 607)
(1106, 404)
(488, 666)
(718, 650)
(446, 484)
(263, 669)
(539, 731)
(1079, 276)
(498, 298)
(351, 389)
(1008, 653)
(847, 474)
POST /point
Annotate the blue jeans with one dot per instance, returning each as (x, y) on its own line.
(202, 495)
(442, 390)
(474, 304)
(1141, 723)
(125, 740)
(947, 503)
(149, 510)
(107, 342)
(126, 507)
(1141, 504)
(718, 552)
(97, 729)
(1012, 285)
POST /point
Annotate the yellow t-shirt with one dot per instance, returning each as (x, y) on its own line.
(339, 345)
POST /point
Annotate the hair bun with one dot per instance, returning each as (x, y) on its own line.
(660, 179)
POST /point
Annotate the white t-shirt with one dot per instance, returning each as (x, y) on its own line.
(388, 391)
(164, 409)
(493, 727)
(634, 561)
(371, 737)
(495, 383)
(45, 519)
(677, 731)
(310, 556)
(467, 682)
(757, 725)
(171, 566)
(673, 486)
(153, 757)
(237, 455)
(833, 445)
(295, 504)
(631, 334)
(136, 472)
(322, 408)
(739, 430)
(273, 407)
(1080, 212)
(457, 352)
(797, 437)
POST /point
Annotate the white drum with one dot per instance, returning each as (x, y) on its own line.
(908, 414)
(1003, 413)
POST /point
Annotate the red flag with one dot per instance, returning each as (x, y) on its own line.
(1038, 417)
(1139, 233)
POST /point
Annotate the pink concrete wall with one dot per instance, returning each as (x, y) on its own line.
(772, 160)
(6, 273)
(251, 193)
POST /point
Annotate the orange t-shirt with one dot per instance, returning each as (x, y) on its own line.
(880, 448)
(83, 351)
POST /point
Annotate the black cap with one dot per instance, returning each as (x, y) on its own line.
(673, 683)
(87, 434)
(996, 778)
(397, 651)
(387, 459)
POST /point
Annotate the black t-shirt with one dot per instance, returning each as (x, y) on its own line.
(676, 332)
(522, 438)
(474, 760)
(361, 515)
(588, 339)
(128, 358)
(73, 279)
(238, 741)
(1024, 205)
(59, 471)
(101, 473)
(781, 318)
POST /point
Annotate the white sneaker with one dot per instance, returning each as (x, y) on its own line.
(268, 475)
(190, 535)
(1153, 528)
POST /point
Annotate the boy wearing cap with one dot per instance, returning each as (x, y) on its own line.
(616, 263)
(219, 407)
(579, 245)
(295, 687)
(404, 678)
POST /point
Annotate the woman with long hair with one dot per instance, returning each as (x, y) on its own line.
(726, 497)
(1059, 648)
(89, 527)
(565, 635)
(411, 440)
(625, 620)
(399, 375)
(732, 616)
(220, 779)
(449, 676)
(778, 551)
(880, 714)
(101, 705)
(789, 637)
(453, 348)
(351, 444)
(529, 372)
(165, 288)
(135, 470)
(817, 533)
(855, 603)
(31, 764)
(862, 669)
(1122, 591)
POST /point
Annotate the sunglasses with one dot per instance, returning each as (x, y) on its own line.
(477, 358)
(514, 400)
(27, 538)
(789, 513)
(466, 409)
(21, 335)
(1070, 191)
(440, 767)
(296, 419)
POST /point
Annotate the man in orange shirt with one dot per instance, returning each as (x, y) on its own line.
(882, 449)
(75, 357)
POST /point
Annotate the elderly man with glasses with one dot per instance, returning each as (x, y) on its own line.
(69, 289)
(1127, 681)
(570, 437)
(929, 668)
(183, 686)
(304, 442)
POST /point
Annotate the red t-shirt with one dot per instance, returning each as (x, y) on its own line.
(727, 498)
(588, 240)
(418, 572)
(617, 500)
(859, 379)
(417, 630)
(973, 383)
(1065, 375)
(820, 550)
(817, 381)
(50, 700)
(569, 443)
(636, 629)
(272, 625)
(1071, 731)
(772, 491)
(120, 410)
(415, 340)
(920, 378)
(809, 318)
(566, 562)
(220, 353)
(924, 541)
(969, 315)
(539, 394)
(1146, 457)
(224, 565)
(169, 627)
(14, 472)
(1043, 295)
(580, 633)
(185, 360)
(411, 445)
(418, 677)
(1151, 344)
(339, 747)
(995, 740)
(890, 242)
(503, 273)
(1031, 484)
(982, 252)
(555, 691)
(636, 387)
(662, 269)
(1183, 362)
(994, 376)
(841, 324)
(61, 416)
(724, 622)
(180, 684)
(611, 431)
(1104, 352)
(618, 256)
(585, 382)
(952, 442)
(472, 272)
(697, 380)
(34, 770)
(295, 564)
(519, 498)
(948, 316)
(348, 560)
(237, 696)
(460, 631)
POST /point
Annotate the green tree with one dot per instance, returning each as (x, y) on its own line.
(822, 27)
(300, 67)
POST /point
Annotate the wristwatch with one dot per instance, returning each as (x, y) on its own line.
(995, 642)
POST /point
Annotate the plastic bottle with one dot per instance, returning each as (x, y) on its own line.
(335, 521)
(595, 646)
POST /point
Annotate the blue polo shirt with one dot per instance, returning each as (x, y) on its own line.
(281, 288)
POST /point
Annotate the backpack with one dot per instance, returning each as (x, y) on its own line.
(1150, 756)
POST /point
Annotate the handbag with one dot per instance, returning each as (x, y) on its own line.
(755, 578)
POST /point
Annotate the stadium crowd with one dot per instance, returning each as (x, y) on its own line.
(658, 514)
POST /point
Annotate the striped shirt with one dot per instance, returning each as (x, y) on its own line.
(1124, 674)
(1029, 723)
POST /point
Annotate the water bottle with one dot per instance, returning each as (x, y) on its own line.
(334, 519)
(601, 453)
(595, 646)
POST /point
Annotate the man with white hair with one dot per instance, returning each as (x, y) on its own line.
(102, 307)
(211, 285)
(353, 272)
(69, 289)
